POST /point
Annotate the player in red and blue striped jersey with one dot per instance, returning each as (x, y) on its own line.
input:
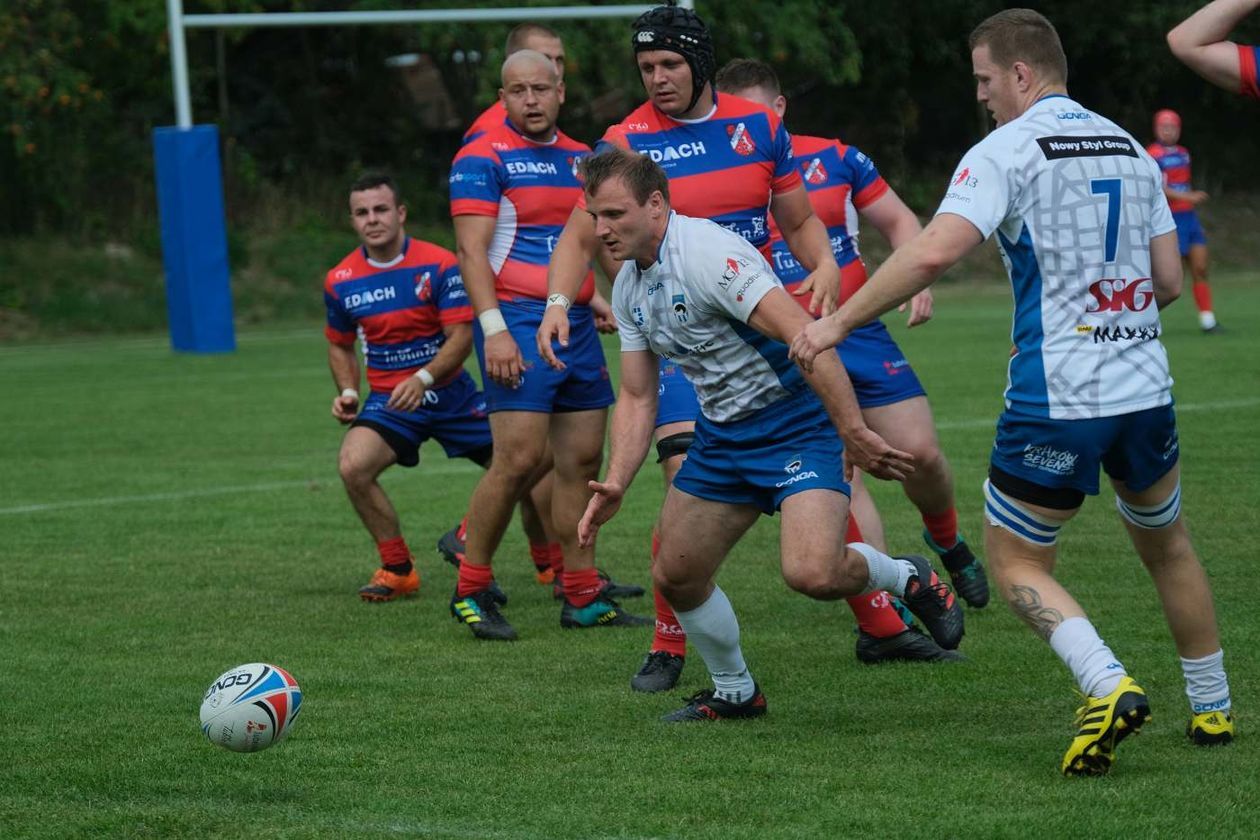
(1200, 42)
(404, 299)
(1174, 163)
(841, 183)
(728, 160)
(525, 36)
(511, 192)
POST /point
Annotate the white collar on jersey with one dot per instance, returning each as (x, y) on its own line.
(705, 118)
(395, 261)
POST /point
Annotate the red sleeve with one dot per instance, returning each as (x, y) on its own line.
(1248, 59)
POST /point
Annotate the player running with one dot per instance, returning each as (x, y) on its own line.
(1199, 41)
(841, 182)
(511, 190)
(1088, 383)
(705, 298)
(404, 298)
(727, 159)
(1174, 162)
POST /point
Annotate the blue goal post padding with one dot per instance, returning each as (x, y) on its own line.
(194, 238)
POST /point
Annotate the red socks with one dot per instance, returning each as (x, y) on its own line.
(1202, 296)
(581, 587)
(395, 555)
(669, 636)
(473, 578)
(541, 555)
(874, 611)
(942, 527)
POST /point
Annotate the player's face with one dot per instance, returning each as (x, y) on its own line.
(1168, 132)
(553, 48)
(378, 220)
(667, 80)
(625, 227)
(532, 96)
(995, 86)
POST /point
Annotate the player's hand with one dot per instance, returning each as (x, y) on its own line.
(871, 454)
(824, 282)
(920, 308)
(504, 362)
(818, 336)
(554, 327)
(1196, 197)
(601, 508)
(602, 310)
(407, 395)
(345, 409)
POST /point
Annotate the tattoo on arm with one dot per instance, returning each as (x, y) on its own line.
(1026, 602)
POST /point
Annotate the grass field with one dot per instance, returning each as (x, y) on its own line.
(164, 517)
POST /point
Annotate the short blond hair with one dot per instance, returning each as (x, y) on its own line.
(1023, 35)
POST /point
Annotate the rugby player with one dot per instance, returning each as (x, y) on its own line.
(766, 440)
(1199, 41)
(524, 36)
(727, 159)
(1174, 162)
(1088, 383)
(511, 191)
(842, 182)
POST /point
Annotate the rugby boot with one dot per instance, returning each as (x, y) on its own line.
(480, 612)
(705, 705)
(933, 603)
(387, 586)
(965, 572)
(1211, 729)
(1102, 723)
(659, 672)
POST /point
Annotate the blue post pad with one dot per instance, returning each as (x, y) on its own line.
(194, 239)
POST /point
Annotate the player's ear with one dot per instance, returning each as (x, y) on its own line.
(780, 105)
(1023, 76)
(560, 90)
(502, 96)
(402, 213)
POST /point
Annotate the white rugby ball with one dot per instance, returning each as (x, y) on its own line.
(250, 707)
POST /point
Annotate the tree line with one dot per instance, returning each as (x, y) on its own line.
(84, 82)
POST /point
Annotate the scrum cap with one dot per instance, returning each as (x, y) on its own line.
(682, 31)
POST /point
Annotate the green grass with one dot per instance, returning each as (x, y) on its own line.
(164, 517)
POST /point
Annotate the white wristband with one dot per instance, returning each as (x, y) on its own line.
(492, 322)
(425, 377)
(350, 393)
(557, 299)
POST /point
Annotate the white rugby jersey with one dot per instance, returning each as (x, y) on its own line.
(1075, 201)
(692, 306)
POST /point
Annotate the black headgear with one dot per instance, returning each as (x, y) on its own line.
(682, 31)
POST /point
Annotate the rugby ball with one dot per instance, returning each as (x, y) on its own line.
(250, 707)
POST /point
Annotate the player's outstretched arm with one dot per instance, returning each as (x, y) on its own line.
(633, 419)
(473, 235)
(779, 318)
(344, 366)
(911, 269)
(898, 225)
(806, 237)
(1200, 42)
(570, 260)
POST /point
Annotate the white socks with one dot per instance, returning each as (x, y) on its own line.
(1206, 685)
(714, 631)
(1095, 667)
(884, 572)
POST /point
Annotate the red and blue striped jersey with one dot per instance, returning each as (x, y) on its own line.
(840, 181)
(397, 309)
(1174, 162)
(1249, 69)
(530, 190)
(724, 168)
(492, 117)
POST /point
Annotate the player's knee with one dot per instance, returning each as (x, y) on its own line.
(517, 463)
(353, 471)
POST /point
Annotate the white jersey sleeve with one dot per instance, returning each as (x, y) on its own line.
(629, 322)
(730, 279)
(980, 190)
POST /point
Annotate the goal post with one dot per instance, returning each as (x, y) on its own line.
(189, 172)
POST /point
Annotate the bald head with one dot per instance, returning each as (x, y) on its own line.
(528, 63)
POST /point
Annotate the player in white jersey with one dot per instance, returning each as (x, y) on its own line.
(1084, 228)
(704, 298)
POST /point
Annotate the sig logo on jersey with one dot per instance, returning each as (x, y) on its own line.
(1118, 295)
(741, 141)
(424, 290)
(680, 308)
(814, 172)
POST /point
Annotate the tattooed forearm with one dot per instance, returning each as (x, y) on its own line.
(1026, 602)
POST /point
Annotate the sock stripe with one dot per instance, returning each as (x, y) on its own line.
(1152, 517)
